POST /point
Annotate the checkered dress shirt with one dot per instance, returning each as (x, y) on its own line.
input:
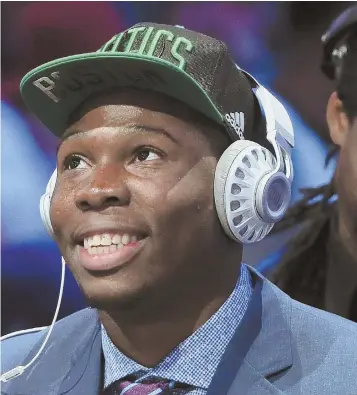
(195, 360)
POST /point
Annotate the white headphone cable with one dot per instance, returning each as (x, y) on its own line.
(18, 370)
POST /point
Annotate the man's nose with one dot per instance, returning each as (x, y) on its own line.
(106, 188)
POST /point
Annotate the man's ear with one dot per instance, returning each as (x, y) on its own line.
(337, 120)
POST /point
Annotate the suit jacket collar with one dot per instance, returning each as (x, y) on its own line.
(72, 363)
(261, 347)
(270, 313)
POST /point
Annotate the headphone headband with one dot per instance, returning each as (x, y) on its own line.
(280, 131)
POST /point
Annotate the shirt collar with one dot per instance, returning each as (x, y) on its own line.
(195, 360)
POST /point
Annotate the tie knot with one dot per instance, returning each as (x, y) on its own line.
(132, 385)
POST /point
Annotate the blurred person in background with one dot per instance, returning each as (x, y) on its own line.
(319, 265)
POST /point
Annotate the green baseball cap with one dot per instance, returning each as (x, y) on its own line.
(188, 66)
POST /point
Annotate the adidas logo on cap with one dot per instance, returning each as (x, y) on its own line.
(236, 120)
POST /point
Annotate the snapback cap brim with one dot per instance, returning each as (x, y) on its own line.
(54, 90)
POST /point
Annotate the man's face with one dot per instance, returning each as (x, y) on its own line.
(346, 179)
(343, 131)
(133, 208)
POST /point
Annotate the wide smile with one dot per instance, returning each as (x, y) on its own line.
(106, 251)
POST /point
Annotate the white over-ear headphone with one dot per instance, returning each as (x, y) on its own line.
(252, 187)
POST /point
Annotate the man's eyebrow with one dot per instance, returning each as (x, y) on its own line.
(66, 135)
(140, 128)
(145, 128)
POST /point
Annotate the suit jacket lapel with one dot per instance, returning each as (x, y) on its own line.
(260, 347)
(70, 363)
(250, 382)
(85, 377)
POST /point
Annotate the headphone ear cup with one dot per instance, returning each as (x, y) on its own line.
(246, 182)
(45, 203)
(273, 196)
(220, 180)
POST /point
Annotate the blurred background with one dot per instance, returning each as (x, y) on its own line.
(277, 42)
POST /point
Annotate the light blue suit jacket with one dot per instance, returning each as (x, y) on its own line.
(281, 347)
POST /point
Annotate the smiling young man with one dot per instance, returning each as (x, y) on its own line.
(136, 212)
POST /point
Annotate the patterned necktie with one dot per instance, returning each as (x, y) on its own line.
(150, 386)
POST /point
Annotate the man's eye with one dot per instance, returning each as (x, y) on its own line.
(74, 162)
(147, 154)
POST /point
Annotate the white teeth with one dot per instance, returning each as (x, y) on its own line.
(116, 239)
(106, 240)
(105, 243)
(125, 239)
(101, 250)
(96, 240)
(112, 248)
